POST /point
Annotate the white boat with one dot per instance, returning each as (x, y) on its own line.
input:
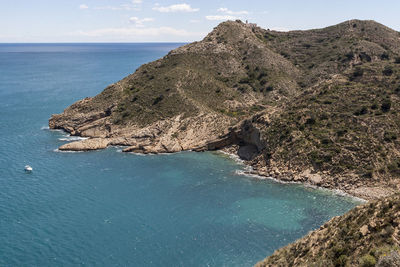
(28, 168)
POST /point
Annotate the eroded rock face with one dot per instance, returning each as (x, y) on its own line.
(165, 136)
(249, 140)
(248, 152)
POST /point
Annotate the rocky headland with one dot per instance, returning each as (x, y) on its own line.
(318, 106)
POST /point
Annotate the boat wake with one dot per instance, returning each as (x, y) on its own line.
(70, 138)
(66, 151)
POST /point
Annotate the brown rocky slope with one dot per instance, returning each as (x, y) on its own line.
(318, 106)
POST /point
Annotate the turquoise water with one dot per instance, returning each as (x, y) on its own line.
(108, 208)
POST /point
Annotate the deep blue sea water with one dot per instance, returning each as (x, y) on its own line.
(107, 208)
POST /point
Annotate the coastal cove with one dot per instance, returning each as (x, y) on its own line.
(241, 89)
(110, 208)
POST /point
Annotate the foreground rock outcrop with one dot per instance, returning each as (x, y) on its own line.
(318, 106)
(368, 235)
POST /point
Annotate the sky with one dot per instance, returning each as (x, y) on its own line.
(56, 21)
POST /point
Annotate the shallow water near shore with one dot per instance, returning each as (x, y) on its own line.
(108, 208)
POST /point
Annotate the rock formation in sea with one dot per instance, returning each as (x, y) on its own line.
(318, 106)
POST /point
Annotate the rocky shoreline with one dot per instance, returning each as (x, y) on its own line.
(323, 181)
(306, 178)
(364, 193)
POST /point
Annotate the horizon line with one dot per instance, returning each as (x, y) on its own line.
(150, 42)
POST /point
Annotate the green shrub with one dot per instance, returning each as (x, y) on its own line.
(256, 108)
(385, 56)
(262, 75)
(387, 231)
(121, 108)
(125, 114)
(365, 57)
(326, 141)
(319, 158)
(397, 60)
(363, 110)
(358, 72)
(341, 132)
(394, 167)
(269, 88)
(244, 80)
(389, 136)
(386, 105)
(367, 261)
(158, 99)
(387, 71)
(310, 121)
(349, 55)
(397, 90)
(368, 174)
(341, 261)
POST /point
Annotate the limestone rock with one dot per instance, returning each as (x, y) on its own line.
(87, 144)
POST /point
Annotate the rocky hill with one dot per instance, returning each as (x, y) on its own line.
(318, 106)
(188, 98)
(366, 236)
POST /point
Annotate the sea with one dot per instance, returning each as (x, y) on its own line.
(108, 208)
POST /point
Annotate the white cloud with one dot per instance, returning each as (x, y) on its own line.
(221, 17)
(83, 6)
(139, 22)
(175, 8)
(127, 7)
(134, 5)
(128, 32)
(227, 14)
(230, 12)
(280, 29)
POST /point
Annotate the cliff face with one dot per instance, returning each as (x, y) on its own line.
(365, 236)
(318, 106)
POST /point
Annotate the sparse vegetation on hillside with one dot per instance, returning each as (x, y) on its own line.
(366, 235)
(342, 125)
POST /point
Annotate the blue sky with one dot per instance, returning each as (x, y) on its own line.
(173, 21)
